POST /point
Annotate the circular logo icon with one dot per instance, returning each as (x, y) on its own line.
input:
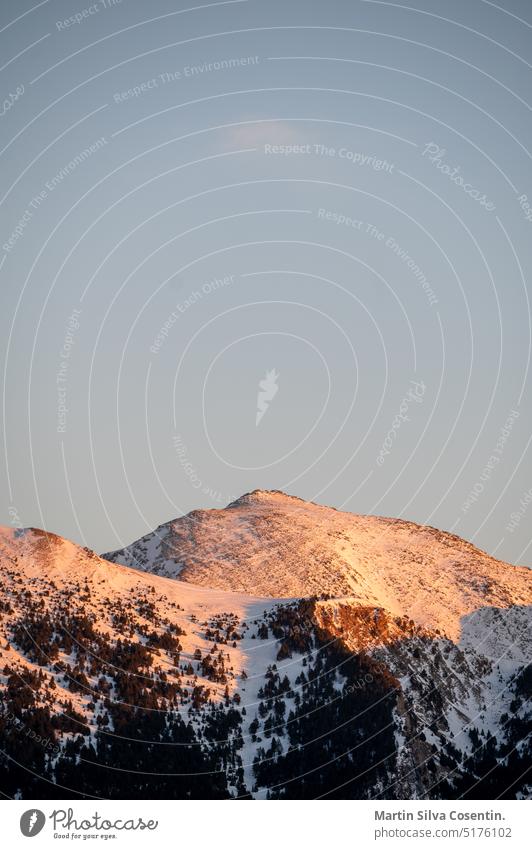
(32, 822)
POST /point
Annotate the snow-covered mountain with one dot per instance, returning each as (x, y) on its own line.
(272, 544)
(302, 652)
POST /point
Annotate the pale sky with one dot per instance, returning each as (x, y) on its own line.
(319, 212)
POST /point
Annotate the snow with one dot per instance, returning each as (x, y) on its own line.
(278, 545)
(471, 614)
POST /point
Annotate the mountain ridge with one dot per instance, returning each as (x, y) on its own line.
(195, 691)
(282, 546)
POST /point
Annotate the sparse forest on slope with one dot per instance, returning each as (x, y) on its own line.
(117, 682)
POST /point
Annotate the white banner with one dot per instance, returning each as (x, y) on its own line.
(265, 824)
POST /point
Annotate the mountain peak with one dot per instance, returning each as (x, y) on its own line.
(276, 545)
(102, 644)
(268, 496)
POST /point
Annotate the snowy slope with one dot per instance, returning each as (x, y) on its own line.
(352, 687)
(57, 569)
(44, 575)
(278, 545)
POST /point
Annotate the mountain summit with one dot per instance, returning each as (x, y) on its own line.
(272, 649)
(271, 544)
